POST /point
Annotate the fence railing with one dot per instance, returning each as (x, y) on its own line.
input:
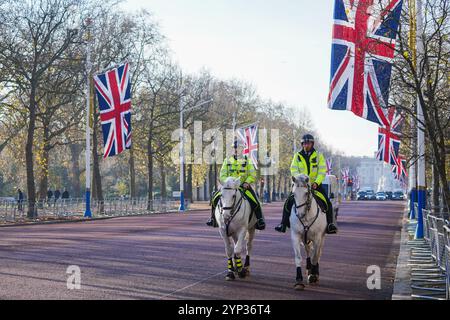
(430, 258)
(15, 211)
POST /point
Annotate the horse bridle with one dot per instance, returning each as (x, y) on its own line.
(307, 203)
(307, 206)
(233, 209)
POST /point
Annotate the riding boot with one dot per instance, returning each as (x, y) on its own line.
(260, 223)
(331, 227)
(214, 201)
(286, 214)
(212, 220)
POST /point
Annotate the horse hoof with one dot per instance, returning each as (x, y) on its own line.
(242, 274)
(247, 272)
(230, 276)
(299, 286)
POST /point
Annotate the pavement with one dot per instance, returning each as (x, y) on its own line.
(176, 256)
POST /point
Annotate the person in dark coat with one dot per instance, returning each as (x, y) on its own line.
(20, 200)
(49, 196)
(65, 194)
(57, 194)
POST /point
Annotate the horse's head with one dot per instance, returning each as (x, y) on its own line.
(229, 191)
(301, 188)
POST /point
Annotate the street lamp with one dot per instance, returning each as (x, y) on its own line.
(182, 110)
(88, 213)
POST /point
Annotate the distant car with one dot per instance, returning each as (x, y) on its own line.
(370, 195)
(381, 196)
(398, 195)
(361, 195)
(389, 195)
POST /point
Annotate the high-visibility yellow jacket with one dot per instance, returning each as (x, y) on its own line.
(242, 168)
(317, 167)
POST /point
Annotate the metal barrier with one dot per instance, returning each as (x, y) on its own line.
(447, 259)
(14, 211)
(429, 259)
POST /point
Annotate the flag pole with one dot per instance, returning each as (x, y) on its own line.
(412, 168)
(421, 182)
(88, 213)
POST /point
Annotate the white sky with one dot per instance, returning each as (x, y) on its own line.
(282, 47)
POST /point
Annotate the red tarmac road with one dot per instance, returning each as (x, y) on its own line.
(176, 256)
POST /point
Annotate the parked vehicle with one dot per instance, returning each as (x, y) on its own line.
(381, 196)
(398, 195)
(361, 195)
(389, 195)
(370, 195)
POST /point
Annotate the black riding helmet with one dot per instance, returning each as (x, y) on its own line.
(307, 138)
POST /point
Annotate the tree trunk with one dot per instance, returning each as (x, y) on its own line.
(163, 180)
(97, 180)
(43, 183)
(132, 174)
(150, 172)
(189, 192)
(75, 171)
(29, 159)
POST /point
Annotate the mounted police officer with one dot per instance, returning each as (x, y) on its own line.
(244, 169)
(309, 162)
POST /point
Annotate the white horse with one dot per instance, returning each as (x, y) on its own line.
(308, 226)
(237, 227)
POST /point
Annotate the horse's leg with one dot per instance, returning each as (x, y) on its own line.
(229, 248)
(238, 248)
(251, 236)
(318, 244)
(308, 249)
(296, 244)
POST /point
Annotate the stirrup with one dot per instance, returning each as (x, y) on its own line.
(260, 224)
(212, 223)
(332, 229)
(281, 228)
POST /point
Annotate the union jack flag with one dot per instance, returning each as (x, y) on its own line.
(249, 136)
(389, 137)
(329, 166)
(364, 34)
(114, 99)
(345, 175)
(399, 169)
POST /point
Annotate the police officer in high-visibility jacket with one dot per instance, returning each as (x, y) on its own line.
(245, 170)
(309, 162)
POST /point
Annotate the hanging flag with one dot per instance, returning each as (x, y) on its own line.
(329, 166)
(362, 52)
(399, 169)
(114, 99)
(389, 137)
(345, 175)
(249, 137)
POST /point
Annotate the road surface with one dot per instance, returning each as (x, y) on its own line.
(175, 256)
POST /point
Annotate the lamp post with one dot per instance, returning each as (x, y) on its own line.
(421, 183)
(88, 213)
(182, 110)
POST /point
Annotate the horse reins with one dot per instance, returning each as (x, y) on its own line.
(233, 208)
(308, 207)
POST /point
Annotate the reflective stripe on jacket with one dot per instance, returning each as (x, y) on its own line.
(240, 168)
(317, 167)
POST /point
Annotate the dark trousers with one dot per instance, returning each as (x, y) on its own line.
(290, 202)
